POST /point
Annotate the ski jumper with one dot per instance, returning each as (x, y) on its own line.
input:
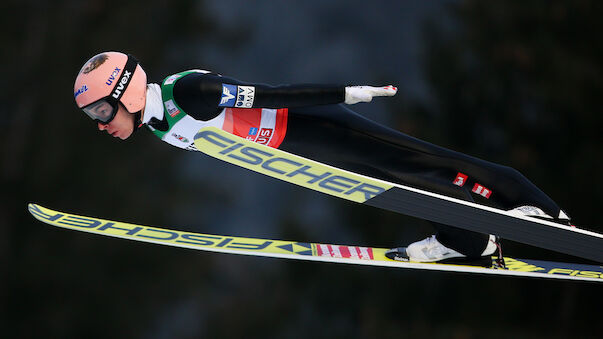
(310, 121)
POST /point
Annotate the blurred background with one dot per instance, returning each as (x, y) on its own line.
(518, 83)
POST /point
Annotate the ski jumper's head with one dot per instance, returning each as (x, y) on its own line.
(108, 87)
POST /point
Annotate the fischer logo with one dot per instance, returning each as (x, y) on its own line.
(138, 231)
(460, 179)
(125, 78)
(288, 167)
(518, 265)
(113, 75)
(481, 190)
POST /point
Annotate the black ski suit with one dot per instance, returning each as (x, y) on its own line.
(322, 129)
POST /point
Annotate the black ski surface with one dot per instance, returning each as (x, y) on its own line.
(533, 232)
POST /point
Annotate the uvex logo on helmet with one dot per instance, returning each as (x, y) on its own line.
(125, 78)
(112, 76)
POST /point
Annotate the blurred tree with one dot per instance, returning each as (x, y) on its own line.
(51, 154)
(519, 83)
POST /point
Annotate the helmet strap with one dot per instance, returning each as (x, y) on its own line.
(137, 121)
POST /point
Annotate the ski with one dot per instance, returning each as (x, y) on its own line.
(398, 198)
(359, 255)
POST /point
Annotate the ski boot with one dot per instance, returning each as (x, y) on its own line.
(431, 250)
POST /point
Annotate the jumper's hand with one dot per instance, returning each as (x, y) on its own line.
(355, 94)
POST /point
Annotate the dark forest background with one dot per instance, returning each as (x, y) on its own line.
(516, 82)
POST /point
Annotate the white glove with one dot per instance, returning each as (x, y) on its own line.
(355, 94)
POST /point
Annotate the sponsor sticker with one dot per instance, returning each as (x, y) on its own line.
(171, 108)
(252, 134)
(336, 251)
(481, 190)
(170, 80)
(245, 97)
(112, 76)
(94, 63)
(228, 95)
(80, 91)
(180, 138)
(460, 179)
(265, 136)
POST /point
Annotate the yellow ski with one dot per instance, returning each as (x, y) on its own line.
(360, 255)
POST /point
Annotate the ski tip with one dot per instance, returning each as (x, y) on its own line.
(37, 211)
(32, 206)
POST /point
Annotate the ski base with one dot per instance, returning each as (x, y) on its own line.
(358, 255)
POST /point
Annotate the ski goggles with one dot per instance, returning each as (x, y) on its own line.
(105, 109)
(102, 110)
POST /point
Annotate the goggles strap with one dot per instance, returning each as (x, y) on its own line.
(124, 80)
